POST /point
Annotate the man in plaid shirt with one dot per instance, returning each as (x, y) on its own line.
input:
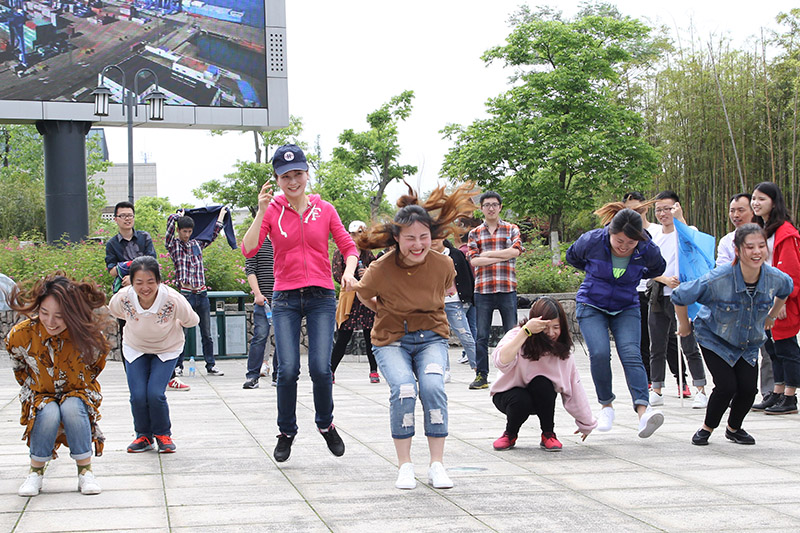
(493, 249)
(187, 255)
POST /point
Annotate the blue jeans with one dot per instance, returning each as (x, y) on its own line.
(318, 306)
(258, 344)
(485, 304)
(457, 317)
(147, 381)
(785, 356)
(201, 305)
(626, 328)
(418, 357)
(72, 414)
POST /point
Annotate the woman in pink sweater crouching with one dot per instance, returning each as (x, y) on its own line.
(535, 365)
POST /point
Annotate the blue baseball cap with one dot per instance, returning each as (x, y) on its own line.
(289, 157)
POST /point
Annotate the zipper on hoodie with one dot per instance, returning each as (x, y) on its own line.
(302, 236)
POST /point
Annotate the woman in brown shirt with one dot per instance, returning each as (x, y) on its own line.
(406, 289)
(57, 354)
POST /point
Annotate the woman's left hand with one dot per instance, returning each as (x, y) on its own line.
(583, 434)
(349, 282)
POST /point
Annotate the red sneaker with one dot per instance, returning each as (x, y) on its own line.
(550, 443)
(686, 392)
(505, 442)
(177, 384)
(141, 444)
(165, 444)
(374, 377)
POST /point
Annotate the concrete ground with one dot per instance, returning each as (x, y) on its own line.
(223, 477)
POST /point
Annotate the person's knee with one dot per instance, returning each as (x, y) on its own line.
(72, 408)
(48, 416)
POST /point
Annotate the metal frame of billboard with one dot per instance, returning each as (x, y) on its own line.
(274, 115)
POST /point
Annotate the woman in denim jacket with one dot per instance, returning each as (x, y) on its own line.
(739, 302)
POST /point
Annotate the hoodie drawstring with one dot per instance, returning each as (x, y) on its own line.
(283, 209)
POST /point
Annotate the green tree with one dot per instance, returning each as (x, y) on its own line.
(561, 133)
(340, 186)
(151, 215)
(375, 151)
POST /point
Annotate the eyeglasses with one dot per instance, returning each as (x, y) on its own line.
(663, 210)
(125, 216)
(491, 205)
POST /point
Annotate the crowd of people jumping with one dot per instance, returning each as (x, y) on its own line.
(432, 275)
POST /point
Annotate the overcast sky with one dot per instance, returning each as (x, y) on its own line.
(347, 58)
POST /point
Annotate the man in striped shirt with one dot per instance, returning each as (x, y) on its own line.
(261, 278)
(493, 249)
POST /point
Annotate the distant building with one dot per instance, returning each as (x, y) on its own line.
(116, 184)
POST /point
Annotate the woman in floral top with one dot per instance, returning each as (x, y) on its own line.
(57, 354)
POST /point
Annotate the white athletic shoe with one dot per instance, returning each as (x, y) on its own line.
(31, 486)
(605, 419)
(700, 401)
(447, 376)
(656, 398)
(438, 478)
(651, 420)
(405, 477)
(87, 484)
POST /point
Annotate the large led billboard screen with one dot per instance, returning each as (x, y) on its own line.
(220, 63)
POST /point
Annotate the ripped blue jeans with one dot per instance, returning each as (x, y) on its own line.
(418, 357)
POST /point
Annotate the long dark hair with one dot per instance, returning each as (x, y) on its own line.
(78, 301)
(540, 344)
(439, 213)
(779, 214)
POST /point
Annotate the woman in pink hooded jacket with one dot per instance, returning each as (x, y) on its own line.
(299, 225)
(535, 365)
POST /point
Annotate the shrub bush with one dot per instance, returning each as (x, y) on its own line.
(536, 274)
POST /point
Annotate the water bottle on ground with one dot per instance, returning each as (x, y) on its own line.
(192, 367)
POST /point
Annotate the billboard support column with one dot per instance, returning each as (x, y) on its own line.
(65, 189)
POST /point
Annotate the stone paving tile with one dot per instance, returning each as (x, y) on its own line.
(390, 524)
(210, 517)
(92, 519)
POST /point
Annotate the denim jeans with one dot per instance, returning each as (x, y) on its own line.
(72, 414)
(485, 304)
(147, 381)
(258, 344)
(785, 357)
(318, 306)
(201, 306)
(625, 327)
(418, 357)
(457, 317)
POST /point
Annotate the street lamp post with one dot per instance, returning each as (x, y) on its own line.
(154, 100)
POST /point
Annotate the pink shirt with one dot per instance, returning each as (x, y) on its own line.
(300, 242)
(562, 372)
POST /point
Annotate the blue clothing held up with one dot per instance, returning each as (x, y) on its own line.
(592, 254)
(695, 256)
(205, 218)
(730, 322)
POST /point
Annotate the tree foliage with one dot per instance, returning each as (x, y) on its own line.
(563, 131)
(376, 151)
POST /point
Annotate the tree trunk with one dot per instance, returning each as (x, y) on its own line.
(555, 248)
(256, 136)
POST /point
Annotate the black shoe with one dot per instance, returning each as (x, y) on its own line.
(769, 400)
(740, 436)
(787, 405)
(251, 384)
(700, 438)
(334, 441)
(284, 447)
(480, 382)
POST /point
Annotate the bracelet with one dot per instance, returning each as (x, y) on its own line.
(772, 317)
(527, 331)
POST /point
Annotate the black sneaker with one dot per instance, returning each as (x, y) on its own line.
(214, 371)
(787, 405)
(141, 444)
(284, 447)
(334, 441)
(740, 436)
(700, 438)
(769, 400)
(251, 384)
(480, 382)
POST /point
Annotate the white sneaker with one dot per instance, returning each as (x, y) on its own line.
(438, 478)
(31, 486)
(264, 370)
(87, 484)
(464, 359)
(605, 419)
(651, 420)
(656, 398)
(700, 400)
(405, 477)
(447, 376)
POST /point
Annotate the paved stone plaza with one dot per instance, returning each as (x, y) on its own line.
(223, 477)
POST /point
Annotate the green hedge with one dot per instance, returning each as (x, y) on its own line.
(536, 274)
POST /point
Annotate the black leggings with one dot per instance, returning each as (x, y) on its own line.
(738, 382)
(342, 338)
(537, 398)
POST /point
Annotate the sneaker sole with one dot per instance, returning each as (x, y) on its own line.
(793, 412)
(184, 389)
(166, 451)
(736, 441)
(549, 449)
(430, 482)
(653, 423)
(142, 450)
(705, 443)
(503, 449)
(89, 492)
